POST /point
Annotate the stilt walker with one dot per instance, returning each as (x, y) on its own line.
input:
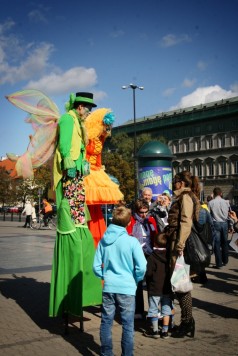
(100, 189)
(73, 284)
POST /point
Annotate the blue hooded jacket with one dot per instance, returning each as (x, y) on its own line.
(119, 261)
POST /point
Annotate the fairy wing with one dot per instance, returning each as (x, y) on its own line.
(44, 115)
(35, 102)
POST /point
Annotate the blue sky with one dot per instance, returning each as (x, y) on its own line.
(183, 53)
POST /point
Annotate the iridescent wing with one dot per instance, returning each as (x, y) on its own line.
(44, 115)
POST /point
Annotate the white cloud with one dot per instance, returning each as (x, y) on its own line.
(6, 26)
(37, 16)
(34, 64)
(188, 83)
(173, 40)
(20, 60)
(168, 92)
(59, 82)
(234, 87)
(205, 95)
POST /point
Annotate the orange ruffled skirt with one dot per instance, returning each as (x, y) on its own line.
(100, 189)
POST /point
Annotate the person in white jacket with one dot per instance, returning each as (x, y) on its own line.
(27, 211)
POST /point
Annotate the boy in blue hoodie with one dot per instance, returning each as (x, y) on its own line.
(119, 261)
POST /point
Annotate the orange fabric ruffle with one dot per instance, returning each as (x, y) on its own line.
(100, 189)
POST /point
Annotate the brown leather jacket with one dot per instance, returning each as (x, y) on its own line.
(184, 209)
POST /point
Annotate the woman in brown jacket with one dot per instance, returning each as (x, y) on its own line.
(184, 209)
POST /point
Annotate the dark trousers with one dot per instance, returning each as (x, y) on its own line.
(139, 299)
(28, 221)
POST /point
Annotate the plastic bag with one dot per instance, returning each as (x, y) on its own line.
(197, 253)
(180, 280)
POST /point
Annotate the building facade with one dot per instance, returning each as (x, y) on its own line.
(203, 140)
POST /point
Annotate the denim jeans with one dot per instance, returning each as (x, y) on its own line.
(126, 306)
(154, 303)
(220, 243)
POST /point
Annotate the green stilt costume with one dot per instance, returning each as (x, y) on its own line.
(73, 283)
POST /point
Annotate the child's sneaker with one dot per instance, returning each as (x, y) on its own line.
(164, 335)
(152, 333)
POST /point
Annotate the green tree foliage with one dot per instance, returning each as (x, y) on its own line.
(16, 191)
(43, 179)
(5, 187)
(118, 158)
(121, 169)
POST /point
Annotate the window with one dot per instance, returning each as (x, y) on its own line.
(209, 142)
(222, 165)
(222, 141)
(198, 169)
(176, 147)
(186, 146)
(197, 144)
(186, 167)
(236, 140)
(235, 164)
(210, 169)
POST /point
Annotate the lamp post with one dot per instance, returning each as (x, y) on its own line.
(134, 87)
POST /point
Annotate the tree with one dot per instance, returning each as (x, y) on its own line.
(118, 158)
(5, 186)
(121, 169)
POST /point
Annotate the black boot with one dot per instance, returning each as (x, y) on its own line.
(185, 329)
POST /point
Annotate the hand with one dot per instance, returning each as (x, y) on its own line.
(180, 252)
(233, 216)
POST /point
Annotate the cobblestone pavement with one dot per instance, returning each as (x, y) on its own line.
(26, 329)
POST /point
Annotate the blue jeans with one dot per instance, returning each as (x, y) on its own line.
(154, 302)
(126, 306)
(220, 243)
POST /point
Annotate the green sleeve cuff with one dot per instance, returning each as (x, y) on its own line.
(68, 163)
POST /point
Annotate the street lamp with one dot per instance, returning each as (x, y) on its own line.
(134, 87)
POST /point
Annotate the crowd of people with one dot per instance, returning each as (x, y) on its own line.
(161, 228)
(139, 249)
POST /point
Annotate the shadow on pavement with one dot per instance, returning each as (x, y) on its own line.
(216, 309)
(33, 298)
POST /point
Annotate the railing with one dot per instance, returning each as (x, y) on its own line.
(6, 216)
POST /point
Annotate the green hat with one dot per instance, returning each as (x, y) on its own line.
(86, 98)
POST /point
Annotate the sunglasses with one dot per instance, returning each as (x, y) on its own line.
(89, 107)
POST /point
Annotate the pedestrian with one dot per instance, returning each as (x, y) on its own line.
(184, 209)
(143, 227)
(47, 211)
(27, 211)
(159, 290)
(147, 194)
(159, 211)
(119, 261)
(219, 209)
(233, 217)
(73, 283)
(204, 218)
